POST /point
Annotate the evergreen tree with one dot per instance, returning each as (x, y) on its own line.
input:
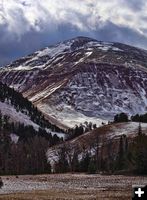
(1, 183)
(62, 165)
(122, 117)
(139, 129)
(84, 163)
(120, 162)
(92, 167)
(140, 154)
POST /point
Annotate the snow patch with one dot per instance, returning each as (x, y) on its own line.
(55, 50)
(15, 116)
(68, 115)
(14, 138)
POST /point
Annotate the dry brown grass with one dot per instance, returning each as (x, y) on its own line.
(70, 195)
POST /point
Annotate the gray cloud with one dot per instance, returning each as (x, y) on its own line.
(135, 5)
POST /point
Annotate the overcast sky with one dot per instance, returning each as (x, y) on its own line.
(28, 25)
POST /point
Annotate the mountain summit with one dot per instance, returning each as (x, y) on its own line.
(82, 79)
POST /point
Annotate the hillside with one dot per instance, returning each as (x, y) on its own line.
(82, 79)
(17, 111)
(103, 142)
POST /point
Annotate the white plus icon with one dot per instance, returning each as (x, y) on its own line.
(139, 192)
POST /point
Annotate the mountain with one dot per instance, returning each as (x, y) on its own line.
(82, 79)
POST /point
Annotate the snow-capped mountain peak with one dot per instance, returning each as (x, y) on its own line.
(82, 79)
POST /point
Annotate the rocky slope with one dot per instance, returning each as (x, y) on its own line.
(82, 79)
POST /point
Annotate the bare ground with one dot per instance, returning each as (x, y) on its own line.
(69, 187)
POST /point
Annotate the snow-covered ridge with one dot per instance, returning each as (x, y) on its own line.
(55, 51)
(63, 48)
(104, 46)
(40, 58)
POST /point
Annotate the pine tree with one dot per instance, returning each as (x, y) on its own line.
(1, 183)
(140, 154)
(120, 162)
(139, 129)
(84, 163)
(122, 117)
(62, 165)
(92, 167)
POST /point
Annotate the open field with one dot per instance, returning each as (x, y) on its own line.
(69, 187)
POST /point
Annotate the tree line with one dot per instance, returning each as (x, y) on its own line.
(123, 117)
(79, 130)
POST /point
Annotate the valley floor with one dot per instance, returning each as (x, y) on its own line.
(69, 186)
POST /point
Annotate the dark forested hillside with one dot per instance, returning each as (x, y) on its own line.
(10, 96)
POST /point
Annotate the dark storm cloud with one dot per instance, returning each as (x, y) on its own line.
(115, 33)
